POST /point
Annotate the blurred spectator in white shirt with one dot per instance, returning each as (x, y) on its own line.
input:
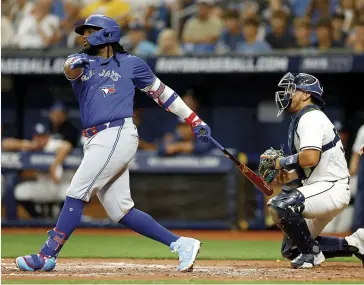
(69, 37)
(40, 29)
(19, 10)
(168, 43)
(347, 7)
(7, 30)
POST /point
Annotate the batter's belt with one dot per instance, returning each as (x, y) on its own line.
(89, 132)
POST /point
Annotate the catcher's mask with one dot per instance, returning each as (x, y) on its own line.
(302, 81)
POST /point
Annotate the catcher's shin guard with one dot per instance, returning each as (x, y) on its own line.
(288, 249)
(286, 211)
(330, 246)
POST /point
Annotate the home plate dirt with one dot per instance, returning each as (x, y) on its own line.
(139, 269)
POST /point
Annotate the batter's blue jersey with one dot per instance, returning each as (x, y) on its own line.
(105, 91)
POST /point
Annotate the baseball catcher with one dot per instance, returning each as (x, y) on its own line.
(314, 176)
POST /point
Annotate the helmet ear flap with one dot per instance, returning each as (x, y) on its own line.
(104, 36)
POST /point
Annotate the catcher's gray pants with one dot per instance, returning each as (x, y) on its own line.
(104, 169)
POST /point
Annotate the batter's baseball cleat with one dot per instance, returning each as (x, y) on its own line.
(35, 262)
(187, 249)
(357, 240)
(308, 260)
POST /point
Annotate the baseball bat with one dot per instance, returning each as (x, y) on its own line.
(250, 174)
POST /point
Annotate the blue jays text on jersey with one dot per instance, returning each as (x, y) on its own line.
(105, 91)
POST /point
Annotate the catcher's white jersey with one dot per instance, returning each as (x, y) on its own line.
(315, 130)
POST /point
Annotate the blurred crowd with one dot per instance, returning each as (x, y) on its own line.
(177, 27)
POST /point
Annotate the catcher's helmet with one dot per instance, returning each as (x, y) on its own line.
(109, 30)
(301, 81)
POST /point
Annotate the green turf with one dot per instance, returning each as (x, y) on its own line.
(99, 246)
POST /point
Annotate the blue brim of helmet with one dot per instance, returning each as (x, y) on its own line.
(81, 28)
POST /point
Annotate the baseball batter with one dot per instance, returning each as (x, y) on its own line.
(317, 162)
(104, 78)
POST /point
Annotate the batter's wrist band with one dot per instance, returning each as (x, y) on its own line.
(289, 162)
(191, 118)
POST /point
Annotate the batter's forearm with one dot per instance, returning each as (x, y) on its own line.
(71, 73)
(169, 100)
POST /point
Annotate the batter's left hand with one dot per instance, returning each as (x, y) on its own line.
(202, 131)
(79, 62)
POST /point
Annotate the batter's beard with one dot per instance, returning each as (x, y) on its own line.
(91, 50)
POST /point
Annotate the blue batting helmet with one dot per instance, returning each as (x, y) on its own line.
(109, 30)
(301, 81)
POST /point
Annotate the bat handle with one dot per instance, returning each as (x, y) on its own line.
(217, 144)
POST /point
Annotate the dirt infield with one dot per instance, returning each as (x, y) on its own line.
(153, 270)
(123, 269)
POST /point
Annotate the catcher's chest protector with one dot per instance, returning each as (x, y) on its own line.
(291, 133)
(294, 124)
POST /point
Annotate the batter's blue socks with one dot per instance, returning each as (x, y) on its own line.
(145, 225)
(68, 220)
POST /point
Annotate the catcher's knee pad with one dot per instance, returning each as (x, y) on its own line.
(287, 204)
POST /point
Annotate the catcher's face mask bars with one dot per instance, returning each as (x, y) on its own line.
(283, 98)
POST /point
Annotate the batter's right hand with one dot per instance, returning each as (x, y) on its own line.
(80, 62)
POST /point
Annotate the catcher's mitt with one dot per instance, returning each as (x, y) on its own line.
(267, 166)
